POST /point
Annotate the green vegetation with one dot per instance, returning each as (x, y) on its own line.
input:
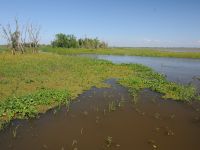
(70, 41)
(146, 78)
(33, 83)
(123, 51)
(28, 105)
(3, 48)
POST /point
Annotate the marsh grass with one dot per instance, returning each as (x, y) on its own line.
(146, 78)
(33, 83)
(124, 51)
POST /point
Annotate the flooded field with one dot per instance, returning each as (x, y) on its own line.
(109, 119)
(180, 70)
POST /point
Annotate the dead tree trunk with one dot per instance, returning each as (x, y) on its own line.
(13, 38)
(34, 33)
(16, 39)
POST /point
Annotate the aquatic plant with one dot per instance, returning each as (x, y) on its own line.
(153, 144)
(27, 106)
(111, 106)
(81, 131)
(168, 131)
(74, 143)
(14, 132)
(109, 141)
(146, 78)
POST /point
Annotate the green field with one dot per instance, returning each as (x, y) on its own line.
(33, 83)
(124, 51)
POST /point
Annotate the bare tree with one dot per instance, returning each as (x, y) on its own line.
(13, 37)
(24, 36)
(19, 37)
(34, 37)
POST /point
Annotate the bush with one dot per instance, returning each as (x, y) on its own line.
(70, 41)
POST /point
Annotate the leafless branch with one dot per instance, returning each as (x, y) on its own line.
(34, 33)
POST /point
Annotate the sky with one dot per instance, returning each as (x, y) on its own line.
(124, 23)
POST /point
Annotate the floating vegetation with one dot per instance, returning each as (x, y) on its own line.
(97, 119)
(135, 99)
(157, 129)
(85, 113)
(156, 116)
(139, 111)
(54, 111)
(153, 100)
(111, 106)
(172, 116)
(67, 104)
(81, 131)
(109, 141)
(168, 132)
(121, 103)
(97, 109)
(153, 144)
(14, 132)
(74, 143)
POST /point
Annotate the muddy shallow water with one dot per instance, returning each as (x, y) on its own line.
(109, 119)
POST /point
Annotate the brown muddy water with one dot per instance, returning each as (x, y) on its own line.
(109, 119)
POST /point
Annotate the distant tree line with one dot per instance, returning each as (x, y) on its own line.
(70, 41)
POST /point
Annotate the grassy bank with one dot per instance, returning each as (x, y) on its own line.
(122, 51)
(3, 48)
(33, 83)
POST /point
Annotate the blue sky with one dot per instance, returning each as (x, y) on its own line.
(143, 23)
